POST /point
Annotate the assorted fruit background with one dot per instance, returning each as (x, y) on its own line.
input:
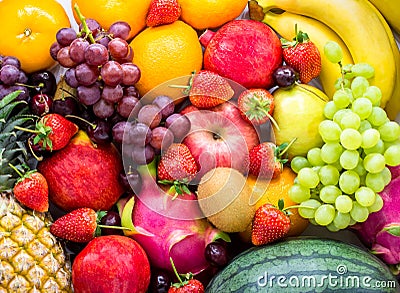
(199, 146)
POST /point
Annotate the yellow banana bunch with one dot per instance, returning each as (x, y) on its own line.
(390, 9)
(284, 24)
(359, 26)
(393, 105)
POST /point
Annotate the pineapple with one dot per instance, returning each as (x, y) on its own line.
(31, 258)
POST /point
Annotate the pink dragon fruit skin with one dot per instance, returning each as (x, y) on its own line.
(166, 235)
(373, 232)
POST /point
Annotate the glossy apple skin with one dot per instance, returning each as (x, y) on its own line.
(112, 264)
(83, 175)
(220, 137)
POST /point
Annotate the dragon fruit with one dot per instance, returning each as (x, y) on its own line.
(168, 227)
(381, 231)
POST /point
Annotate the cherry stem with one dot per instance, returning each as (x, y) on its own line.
(40, 85)
(86, 29)
(297, 206)
(16, 170)
(288, 146)
(34, 154)
(26, 129)
(82, 119)
(175, 271)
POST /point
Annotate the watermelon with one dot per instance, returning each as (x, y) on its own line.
(305, 264)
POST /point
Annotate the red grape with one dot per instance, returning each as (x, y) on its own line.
(70, 78)
(11, 60)
(166, 104)
(179, 125)
(9, 74)
(140, 134)
(120, 29)
(111, 73)
(120, 131)
(88, 95)
(128, 58)
(143, 155)
(65, 36)
(103, 109)
(22, 77)
(86, 74)
(118, 48)
(131, 91)
(150, 115)
(161, 138)
(112, 94)
(93, 26)
(54, 48)
(131, 74)
(77, 50)
(96, 54)
(129, 106)
(64, 59)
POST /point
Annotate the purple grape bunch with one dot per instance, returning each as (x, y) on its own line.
(99, 66)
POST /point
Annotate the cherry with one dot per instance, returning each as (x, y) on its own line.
(100, 133)
(111, 219)
(42, 82)
(284, 76)
(160, 281)
(40, 104)
(131, 180)
(216, 254)
(66, 106)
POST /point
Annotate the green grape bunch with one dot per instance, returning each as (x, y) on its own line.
(338, 184)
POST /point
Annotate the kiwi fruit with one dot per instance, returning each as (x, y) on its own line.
(224, 198)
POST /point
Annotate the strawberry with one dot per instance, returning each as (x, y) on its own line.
(163, 12)
(303, 56)
(53, 132)
(207, 89)
(266, 160)
(191, 286)
(256, 106)
(32, 191)
(269, 224)
(80, 225)
(187, 285)
(177, 164)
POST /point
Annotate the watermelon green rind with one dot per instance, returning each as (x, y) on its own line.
(308, 260)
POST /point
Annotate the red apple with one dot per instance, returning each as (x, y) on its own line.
(220, 137)
(112, 264)
(83, 175)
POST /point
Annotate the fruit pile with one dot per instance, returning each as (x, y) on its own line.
(172, 136)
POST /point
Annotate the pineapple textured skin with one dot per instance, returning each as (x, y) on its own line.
(31, 258)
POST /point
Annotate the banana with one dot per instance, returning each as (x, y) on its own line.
(393, 105)
(357, 24)
(390, 9)
(284, 24)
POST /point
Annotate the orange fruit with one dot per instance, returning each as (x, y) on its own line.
(271, 192)
(203, 14)
(107, 12)
(166, 52)
(28, 28)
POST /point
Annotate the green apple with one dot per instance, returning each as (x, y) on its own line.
(298, 112)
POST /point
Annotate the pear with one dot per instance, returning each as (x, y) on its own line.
(298, 112)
